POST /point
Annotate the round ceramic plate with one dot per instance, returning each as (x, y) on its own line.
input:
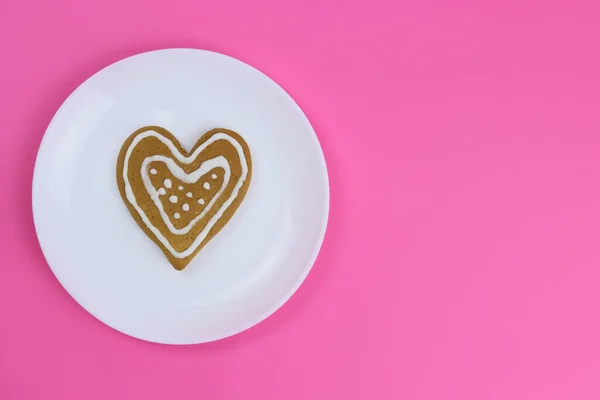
(109, 265)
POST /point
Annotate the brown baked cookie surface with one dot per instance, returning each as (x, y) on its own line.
(181, 199)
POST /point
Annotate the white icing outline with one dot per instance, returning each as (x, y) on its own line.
(217, 162)
(185, 160)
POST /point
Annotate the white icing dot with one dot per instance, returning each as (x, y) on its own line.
(180, 187)
(167, 183)
(185, 207)
(206, 185)
(173, 199)
(214, 176)
(201, 201)
(189, 194)
(153, 171)
(176, 215)
(162, 191)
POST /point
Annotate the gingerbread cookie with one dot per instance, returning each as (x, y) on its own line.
(182, 200)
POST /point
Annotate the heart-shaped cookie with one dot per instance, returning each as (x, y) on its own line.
(182, 200)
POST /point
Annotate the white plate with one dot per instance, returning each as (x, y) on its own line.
(105, 261)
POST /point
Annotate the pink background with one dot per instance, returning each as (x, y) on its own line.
(462, 259)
